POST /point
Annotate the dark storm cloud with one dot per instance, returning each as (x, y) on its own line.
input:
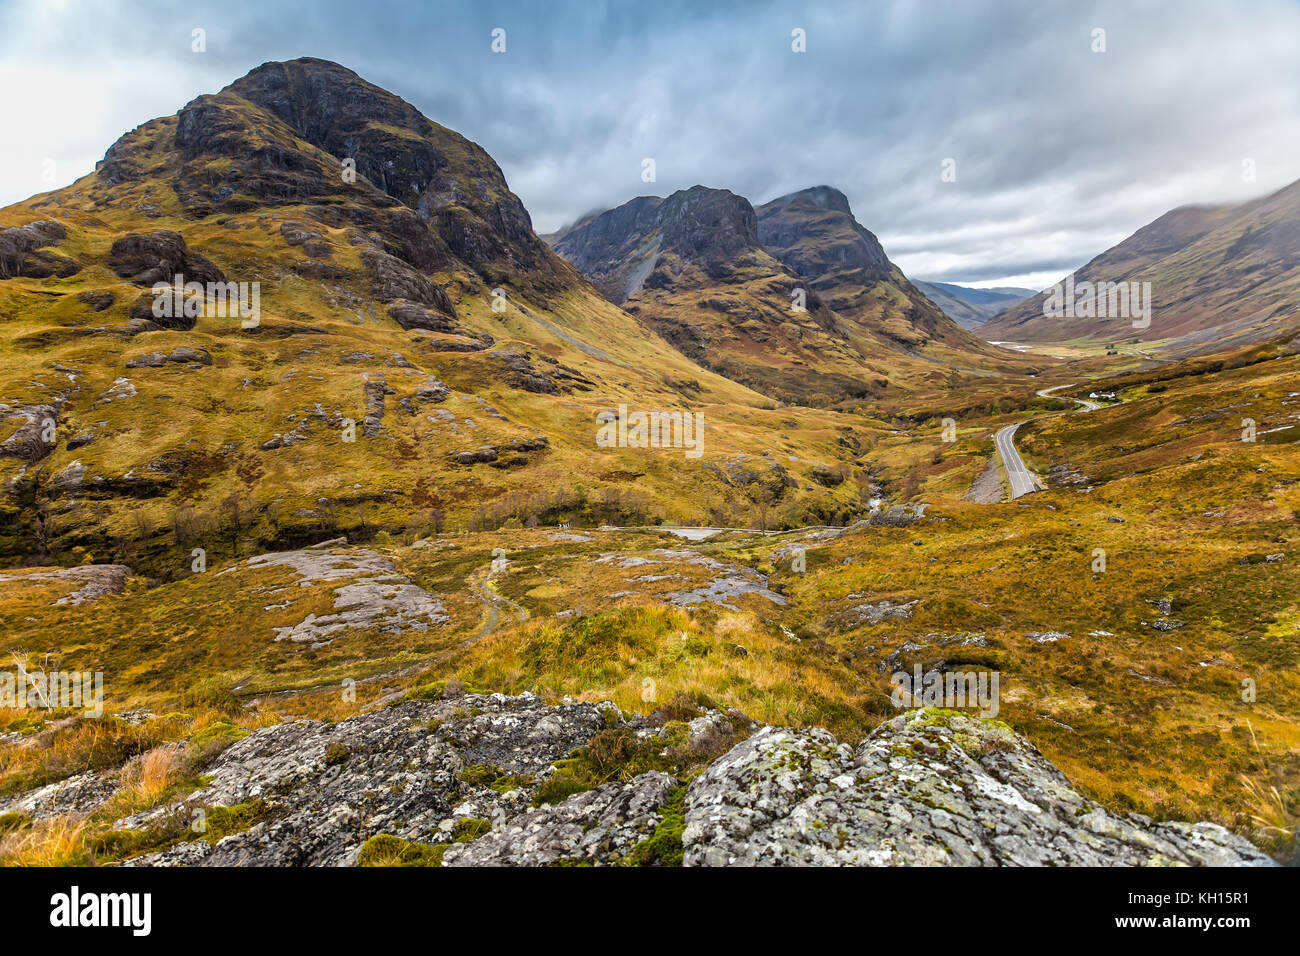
(1059, 151)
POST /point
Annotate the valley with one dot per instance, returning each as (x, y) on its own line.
(685, 481)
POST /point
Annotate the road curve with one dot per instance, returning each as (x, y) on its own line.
(1088, 404)
(1019, 477)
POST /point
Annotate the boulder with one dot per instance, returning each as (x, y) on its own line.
(19, 254)
(186, 354)
(149, 258)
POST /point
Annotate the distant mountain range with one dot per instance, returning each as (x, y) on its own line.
(1220, 276)
(971, 308)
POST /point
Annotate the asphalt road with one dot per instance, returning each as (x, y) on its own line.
(1088, 404)
(1022, 480)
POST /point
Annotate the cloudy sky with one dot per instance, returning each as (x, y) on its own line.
(1059, 151)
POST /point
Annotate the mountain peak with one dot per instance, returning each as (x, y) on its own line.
(290, 132)
(620, 248)
(820, 197)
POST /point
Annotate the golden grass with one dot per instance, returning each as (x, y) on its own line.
(146, 780)
(642, 656)
(59, 841)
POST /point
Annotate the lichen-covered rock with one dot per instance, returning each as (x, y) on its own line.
(94, 580)
(458, 776)
(79, 794)
(926, 788)
(325, 788)
(591, 827)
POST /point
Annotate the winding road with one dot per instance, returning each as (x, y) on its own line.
(1019, 477)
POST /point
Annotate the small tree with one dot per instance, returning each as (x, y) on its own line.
(238, 516)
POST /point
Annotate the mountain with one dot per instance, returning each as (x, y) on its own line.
(335, 476)
(721, 280)
(971, 308)
(691, 267)
(1220, 276)
(814, 233)
(394, 288)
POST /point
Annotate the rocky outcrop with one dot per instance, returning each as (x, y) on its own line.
(466, 774)
(24, 251)
(487, 454)
(311, 240)
(182, 354)
(626, 249)
(327, 788)
(395, 280)
(149, 258)
(97, 300)
(375, 393)
(368, 591)
(411, 316)
(93, 580)
(79, 794)
(925, 788)
(598, 825)
(28, 439)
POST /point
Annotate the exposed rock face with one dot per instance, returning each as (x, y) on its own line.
(433, 197)
(411, 316)
(370, 593)
(331, 787)
(813, 232)
(786, 225)
(182, 354)
(590, 827)
(97, 300)
(95, 580)
(394, 280)
(312, 241)
(82, 793)
(159, 257)
(27, 441)
(620, 249)
(868, 613)
(928, 787)
(24, 251)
